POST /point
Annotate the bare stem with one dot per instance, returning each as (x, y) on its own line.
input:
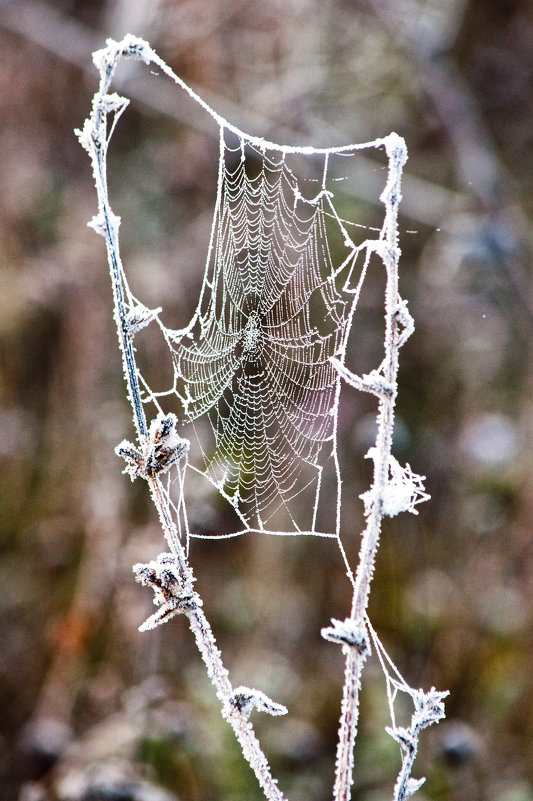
(95, 138)
(356, 654)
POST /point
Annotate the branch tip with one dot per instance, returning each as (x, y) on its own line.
(348, 632)
(246, 699)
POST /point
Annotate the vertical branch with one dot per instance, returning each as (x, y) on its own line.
(95, 140)
(174, 584)
(348, 723)
(353, 634)
(394, 310)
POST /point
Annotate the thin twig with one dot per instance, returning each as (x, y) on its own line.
(94, 138)
(357, 653)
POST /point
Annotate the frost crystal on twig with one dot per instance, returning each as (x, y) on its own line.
(403, 489)
(404, 319)
(348, 632)
(162, 449)
(247, 699)
(163, 577)
(139, 317)
(374, 382)
(429, 709)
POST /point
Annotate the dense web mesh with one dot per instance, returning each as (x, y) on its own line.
(259, 360)
(256, 357)
(257, 370)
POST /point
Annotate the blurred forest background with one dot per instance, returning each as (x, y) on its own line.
(90, 708)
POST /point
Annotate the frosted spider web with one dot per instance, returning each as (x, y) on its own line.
(255, 358)
(262, 357)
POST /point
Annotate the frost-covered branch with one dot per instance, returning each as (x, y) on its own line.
(394, 489)
(429, 709)
(160, 447)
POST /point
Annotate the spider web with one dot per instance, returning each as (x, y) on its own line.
(261, 360)
(255, 359)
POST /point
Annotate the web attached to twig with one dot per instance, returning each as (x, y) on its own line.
(262, 358)
(255, 359)
(428, 708)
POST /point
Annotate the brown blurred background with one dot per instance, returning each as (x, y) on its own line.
(90, 708)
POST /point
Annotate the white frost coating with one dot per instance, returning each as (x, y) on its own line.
(411, 786)
(429, 709)
(263, 360)
(397, 153)
(348, 633)
(139, 317)
(374, 382)
(162, 575)
(162, 449)
(402, 492)
(247, 699)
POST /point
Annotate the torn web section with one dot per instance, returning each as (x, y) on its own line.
(255, 359)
